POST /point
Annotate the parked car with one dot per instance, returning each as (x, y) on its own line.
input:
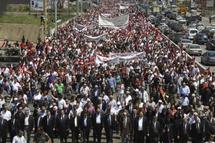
(184, 43)
(210, 31)
(208, 58)
(200, 26)
(191, 19)
(192, 33)
(175, 25)
(194, 49)
(210, 45)
(170, 15)
(176, 36)
(200, 38)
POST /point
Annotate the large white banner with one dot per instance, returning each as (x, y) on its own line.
(96, 38)
(116, 58)
(116, 22)
(79, 28)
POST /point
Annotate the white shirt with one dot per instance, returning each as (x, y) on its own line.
(6, 115)
(25, 98)
(85, 90)
(2, 102)
(160, 109)
(127, 99)
(140, 124)
(76, 121)
(98, 119)
(145, 97)
(26, 121)
(85, 121)
(18, 139)
(61, 103)
(185, 101)
(16, 86)
(38, 97)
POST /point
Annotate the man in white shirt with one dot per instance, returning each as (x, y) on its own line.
(185, 103)
(19, 138)
(85, 90)
(61, 103)
(140, 128)
(37, 96)
(6, 114)
(16, 86)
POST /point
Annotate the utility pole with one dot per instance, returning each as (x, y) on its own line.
(81, 6)
(77, 6)
(56, 14)
(45, 17)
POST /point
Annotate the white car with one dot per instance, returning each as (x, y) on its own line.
(184, 43)
(192, 33)
(194, 49)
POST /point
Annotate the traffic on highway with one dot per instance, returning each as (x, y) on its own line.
(192, 32)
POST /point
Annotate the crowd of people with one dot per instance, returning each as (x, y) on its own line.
(58, 89)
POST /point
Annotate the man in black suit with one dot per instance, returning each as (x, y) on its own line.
(3, 130)
(97, 120)
(195, 131)
(109, 126)
(50, 125)
(19, 119)
(95, 95)
(85, 123)
(204, 127)
(140, 128)
(177, 128)
(74, 121)
(63, 126)
(29, 125)
(125, 127)
(41, 122)
(154, 131)
(185, 131)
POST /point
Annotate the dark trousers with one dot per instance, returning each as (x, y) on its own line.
(75, 134)
(50, 132)
(139, 137)
(152, 139)
(63, 136)
(27, 133)
(85, 134)
(97, 133)
(109, 135)
(3, 139)
(184, 139)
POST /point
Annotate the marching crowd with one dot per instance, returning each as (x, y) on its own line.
(58, 89)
